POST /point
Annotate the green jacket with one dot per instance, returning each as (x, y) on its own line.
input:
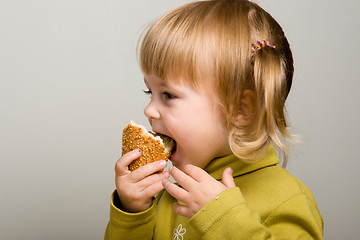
(268, 203)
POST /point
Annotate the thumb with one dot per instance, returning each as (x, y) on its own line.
(227, 178)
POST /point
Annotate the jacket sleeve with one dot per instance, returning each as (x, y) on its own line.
(228, 217)
(128, 226)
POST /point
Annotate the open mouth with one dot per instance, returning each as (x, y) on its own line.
(173, 150)
(170, 143)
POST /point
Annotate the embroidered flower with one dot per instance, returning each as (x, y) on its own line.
(178, 233)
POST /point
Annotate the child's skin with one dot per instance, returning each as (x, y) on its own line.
(196, 122)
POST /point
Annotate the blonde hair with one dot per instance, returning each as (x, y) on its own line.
(211, 41)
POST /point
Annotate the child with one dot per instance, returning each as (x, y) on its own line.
(218, 73)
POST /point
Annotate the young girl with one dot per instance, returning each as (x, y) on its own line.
(218, 73)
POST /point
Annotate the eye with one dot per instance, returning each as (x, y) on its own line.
(168, 96)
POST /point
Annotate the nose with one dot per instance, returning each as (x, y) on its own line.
(151, 111)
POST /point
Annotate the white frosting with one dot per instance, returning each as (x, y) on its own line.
(144, 129)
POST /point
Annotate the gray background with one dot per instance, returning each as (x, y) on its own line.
(69, 82)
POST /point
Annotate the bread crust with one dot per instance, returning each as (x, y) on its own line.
(152, 148)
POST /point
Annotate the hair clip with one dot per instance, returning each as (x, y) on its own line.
(256, 46)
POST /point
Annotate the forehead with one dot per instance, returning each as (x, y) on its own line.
(206, 86)
(171, 79)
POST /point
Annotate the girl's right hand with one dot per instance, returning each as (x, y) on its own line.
(136, 189)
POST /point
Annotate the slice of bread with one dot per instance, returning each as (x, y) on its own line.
(153, 146)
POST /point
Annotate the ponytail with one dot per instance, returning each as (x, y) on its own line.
(271, 90)
(270, 83)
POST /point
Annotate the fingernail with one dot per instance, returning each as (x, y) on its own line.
(166, 174)
(163, 163)
(229, 169)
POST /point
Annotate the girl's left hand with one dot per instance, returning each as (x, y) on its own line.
(198, 188)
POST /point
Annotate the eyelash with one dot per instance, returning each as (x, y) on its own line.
(167, 95)
(147, 92)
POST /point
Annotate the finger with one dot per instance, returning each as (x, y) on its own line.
(182, 210)
(147, 170)
(182, 178)
(175, 191)
(195, 172)
(153, 189)
(227, 178)
(121, 166)
(152, 179)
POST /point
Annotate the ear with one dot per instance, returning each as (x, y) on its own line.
(247, 110)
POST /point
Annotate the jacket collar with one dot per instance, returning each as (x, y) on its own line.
(217, 166)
